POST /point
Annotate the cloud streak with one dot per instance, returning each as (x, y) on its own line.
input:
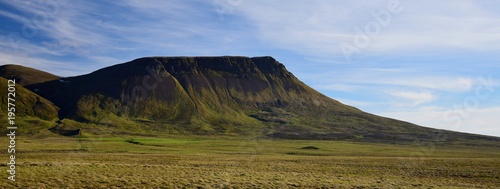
(320, 26)
(415, 98)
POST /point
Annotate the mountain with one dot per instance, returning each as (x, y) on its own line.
(227, 95)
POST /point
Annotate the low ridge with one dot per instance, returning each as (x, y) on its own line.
(24, 75)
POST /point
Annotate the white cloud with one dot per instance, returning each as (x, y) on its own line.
(355, 103)
(318, 27)
(360, 78)
(338, 87)
(414, 98)
(480, 121)
(14, 17)
(456, 84)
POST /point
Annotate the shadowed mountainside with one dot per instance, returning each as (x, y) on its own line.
(219, 95)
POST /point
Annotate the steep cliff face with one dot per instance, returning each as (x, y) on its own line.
(216, 95)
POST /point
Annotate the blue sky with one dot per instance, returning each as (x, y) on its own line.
(432, 63)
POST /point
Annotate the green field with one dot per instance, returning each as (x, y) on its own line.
(230, 162)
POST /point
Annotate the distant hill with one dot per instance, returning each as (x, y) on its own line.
(24, 75)
(218, 95)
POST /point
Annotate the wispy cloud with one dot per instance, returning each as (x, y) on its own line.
(318, 27)
(121, 31)
(414, 98)
(356, 103)
(338, 87)
(361, 78)
(314, 29)
(437, 83)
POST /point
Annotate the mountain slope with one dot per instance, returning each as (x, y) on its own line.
(27, 103)
(220, 95)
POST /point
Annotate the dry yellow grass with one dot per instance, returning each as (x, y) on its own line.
(182, 163)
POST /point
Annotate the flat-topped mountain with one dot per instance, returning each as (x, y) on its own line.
(217, 95)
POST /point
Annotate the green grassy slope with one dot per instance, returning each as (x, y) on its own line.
(24, 75)
(27, 103)
(33, 114)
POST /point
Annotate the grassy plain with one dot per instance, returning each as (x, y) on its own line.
(231, 162)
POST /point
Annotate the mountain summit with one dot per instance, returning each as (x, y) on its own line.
(229, 95)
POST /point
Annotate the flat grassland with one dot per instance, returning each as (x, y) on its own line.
(231, 162)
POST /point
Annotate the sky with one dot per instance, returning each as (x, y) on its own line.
(433, 63)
